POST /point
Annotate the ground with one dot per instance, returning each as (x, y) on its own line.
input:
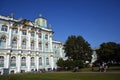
(85, 74)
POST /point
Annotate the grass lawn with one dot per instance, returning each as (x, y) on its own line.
(63, 76)
(110, 69)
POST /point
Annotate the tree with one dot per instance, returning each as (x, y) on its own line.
(78, 50)
(60, 63)
(108, 52)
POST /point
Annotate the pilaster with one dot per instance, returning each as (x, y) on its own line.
(37, 62)
(7, 61)
(51, 62)
(28, 63)
(19, 41)
(28, 40)
(36, 45)
(18, 63)
(50, 38)
(9, 40)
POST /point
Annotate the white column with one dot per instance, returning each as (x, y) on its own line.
(37, 62)
(61, 51)
(28, 63)
(28, 40)
(36, 36)
(7, 61)
(51, 49)
(9, 40)
(18, 63)
(19, 41)
(52, 62)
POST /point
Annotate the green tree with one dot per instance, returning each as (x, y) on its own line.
(108, 52)
(60, 63)
(77, 50)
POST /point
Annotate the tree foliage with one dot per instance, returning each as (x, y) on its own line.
(77, 50)
(108, 52)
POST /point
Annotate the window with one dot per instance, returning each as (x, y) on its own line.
(40, 61)
(4, 28)
(46, 45)
(24, 43)
(46, 36)
(47, 61)
(32, 61)
(24, 32)
(40, 45)
(23, 61)
(32, 34)
(14, 43)
(13, 61)
(1, 61)
(32, 45)
(40, 35)
(14, 31)
(2, 42)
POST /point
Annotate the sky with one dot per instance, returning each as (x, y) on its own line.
(97, 21)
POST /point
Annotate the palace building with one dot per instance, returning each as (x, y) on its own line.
(27, 46)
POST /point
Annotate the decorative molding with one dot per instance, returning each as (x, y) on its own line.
(31, 31)
(15, 38)
(24, 40)
(2, 54)
(19, 54)
(10, 27)
(51, 55)
(5, 24)
(38, 33)
(21, 29)
(15, 27)
(28, 54)
(13, 54)
(37, 55)
(8, 53)
(40, 42)
(23, 54)
(3, 36)
(51, 36)
(32, 41)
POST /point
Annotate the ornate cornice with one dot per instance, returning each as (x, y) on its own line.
(38, 32)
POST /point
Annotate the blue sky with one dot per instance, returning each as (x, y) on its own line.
(97, 21)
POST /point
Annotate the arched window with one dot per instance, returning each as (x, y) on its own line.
(32, 61)
(14, 42)
(46, 45)
(24, 43)
(13, 61)
(3, 40)
(40, 61)
(1, 61)
(32, 44)
(46, 36)
(23, 61)
(47, 61)
(40, 35)
(40, 45)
